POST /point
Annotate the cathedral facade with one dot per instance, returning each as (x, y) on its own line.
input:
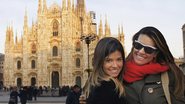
(52, 51)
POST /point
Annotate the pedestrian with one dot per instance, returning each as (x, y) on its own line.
(73, 95)
(151, 75)
(23, 95)
(104, 86)
(35, 92)
(13, 96)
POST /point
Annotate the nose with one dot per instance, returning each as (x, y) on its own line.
(114, 64)
(142, 50)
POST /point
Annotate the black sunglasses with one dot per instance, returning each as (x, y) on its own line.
(148, 49)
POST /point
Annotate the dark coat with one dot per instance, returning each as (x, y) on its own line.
(150, 91)
(105, 94)
(23, 96)
(73, 97)
(14, 95)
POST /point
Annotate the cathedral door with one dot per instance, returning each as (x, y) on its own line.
(55, 79)
(19, 82)
(78, 81)
(33, 81)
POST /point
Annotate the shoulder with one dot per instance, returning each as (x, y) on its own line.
(106, 85)
(106, 89)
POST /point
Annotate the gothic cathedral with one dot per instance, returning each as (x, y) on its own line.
(53, 51)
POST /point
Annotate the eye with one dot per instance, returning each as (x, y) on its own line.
(137, 45)
(107, 60)
(149, 50)
(120, 59)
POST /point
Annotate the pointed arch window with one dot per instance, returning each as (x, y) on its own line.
(55, 51)
(18, 64)
(55, 28)
(33, 64)
(77, 62)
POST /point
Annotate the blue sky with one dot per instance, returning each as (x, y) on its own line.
(167, 15)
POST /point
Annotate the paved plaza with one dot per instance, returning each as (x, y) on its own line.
(4, 97)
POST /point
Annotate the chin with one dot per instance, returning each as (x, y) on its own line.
(139, 62)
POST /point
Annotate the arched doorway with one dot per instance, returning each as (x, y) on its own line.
(19, 82)
(78, 81)
(55, 79)
(33, 81)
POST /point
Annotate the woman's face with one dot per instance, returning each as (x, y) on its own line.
(141, 56)
(113, 64)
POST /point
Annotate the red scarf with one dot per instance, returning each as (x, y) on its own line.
(136, 72)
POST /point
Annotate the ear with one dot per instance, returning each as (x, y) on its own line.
(155, 54)
(154, 57)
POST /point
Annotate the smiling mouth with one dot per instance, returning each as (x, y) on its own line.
(139, 57)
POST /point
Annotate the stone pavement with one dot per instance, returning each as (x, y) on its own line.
(4, 97)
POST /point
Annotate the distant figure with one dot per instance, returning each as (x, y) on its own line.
(73, 95)
(35, 92)
(23, 95)
(13, 96)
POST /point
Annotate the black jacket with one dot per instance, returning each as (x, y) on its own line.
(23, 96)
(14, 95)
(105, 94)
(150, 91)
(73, 97)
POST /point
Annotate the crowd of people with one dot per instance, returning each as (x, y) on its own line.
(25, 93)
(31, 93)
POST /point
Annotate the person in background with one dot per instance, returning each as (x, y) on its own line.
(148, 60)
(23, 95)
(13, 96)
(35, 93)
(104, 85)
(73, 95)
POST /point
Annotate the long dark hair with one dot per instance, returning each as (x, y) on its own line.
(163, 56)
(105, 47)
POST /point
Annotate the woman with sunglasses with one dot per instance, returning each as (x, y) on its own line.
(148, 60)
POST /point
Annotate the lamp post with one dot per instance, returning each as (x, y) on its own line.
(88, 39)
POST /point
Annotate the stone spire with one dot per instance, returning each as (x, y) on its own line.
(64, 5)
(25, 19)
(121, 35)
(39, 7)
(16, 38)
(25, 27)
(100, 29)
(68, 4)
(118, 30)
(44, 6)
(9, 39)
(7, 34)
(107, 29)
(11, 36)
(73, 6)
